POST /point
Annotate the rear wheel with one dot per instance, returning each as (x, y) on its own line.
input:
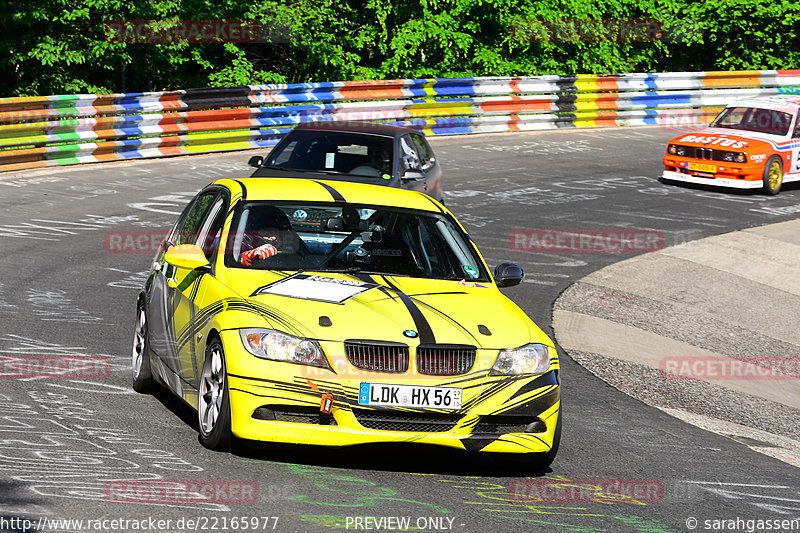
(213, 402)
(140, 356)
(773, 175)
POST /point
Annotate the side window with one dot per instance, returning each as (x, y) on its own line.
(208, 237)
(424, 150)
(796, 133)
(409, 158)
(285, 155)
(188, 229)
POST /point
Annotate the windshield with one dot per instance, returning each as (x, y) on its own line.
(334, 152)
(755, 119)
(352, 238)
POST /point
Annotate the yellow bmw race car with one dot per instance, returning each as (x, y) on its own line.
(335, 313)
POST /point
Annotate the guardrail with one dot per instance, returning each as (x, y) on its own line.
(62, 130)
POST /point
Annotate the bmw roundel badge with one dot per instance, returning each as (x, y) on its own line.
(410, 333)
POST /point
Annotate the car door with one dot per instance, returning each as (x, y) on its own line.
(168, 283)
(188, 284)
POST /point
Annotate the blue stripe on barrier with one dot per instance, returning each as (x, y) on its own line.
(651, 81)
(661, 99)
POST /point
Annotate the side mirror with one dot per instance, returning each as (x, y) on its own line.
(256, 161)
(188, 256)
(508, 275)
(412, 174)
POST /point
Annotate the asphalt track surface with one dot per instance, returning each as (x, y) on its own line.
(63, 291)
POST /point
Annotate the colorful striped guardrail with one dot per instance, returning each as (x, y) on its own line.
(61, 130)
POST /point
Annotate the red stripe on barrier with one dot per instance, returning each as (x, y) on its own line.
(371, 90)
(608, 83)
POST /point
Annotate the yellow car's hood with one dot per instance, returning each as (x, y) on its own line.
(336, 307)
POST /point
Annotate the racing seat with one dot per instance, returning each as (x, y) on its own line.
(269, 224)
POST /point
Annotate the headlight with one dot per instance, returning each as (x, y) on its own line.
(279, 346)
(729, 156)
(678, 150)
(528, 359)
(741, 158)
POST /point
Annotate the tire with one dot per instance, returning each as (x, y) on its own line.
(773, 175)
(140, 354)
(213, 400)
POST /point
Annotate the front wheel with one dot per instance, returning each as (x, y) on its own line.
(140, 357)
(213, 402)
(773, 175)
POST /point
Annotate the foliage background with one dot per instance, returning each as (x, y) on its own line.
(58, 46)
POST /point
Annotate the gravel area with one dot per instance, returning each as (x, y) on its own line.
(693, 396)
(673, 320)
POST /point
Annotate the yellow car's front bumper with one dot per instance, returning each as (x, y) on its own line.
(349, 432)
(256, 385)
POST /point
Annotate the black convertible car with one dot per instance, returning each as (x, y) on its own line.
(356, 151)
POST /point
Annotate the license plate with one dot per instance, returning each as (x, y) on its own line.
(409, 396)
(700, 167)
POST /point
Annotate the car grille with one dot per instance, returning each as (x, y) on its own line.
(445, 360)
(709, 154)
(376, 356)
(398, 421)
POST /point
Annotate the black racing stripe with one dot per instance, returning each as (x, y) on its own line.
(550, 378)
(195, 288)
(447, 317)
(387, 292)
(337, 197)
(366, 278)
(533, 407)
(389, 295)
(190, 278)
(196, 326)
(423, 327)
(296, 327)
(244, 189)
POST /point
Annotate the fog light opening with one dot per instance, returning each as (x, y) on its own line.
(537, 426)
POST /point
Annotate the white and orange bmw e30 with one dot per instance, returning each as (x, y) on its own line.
(753, 143)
